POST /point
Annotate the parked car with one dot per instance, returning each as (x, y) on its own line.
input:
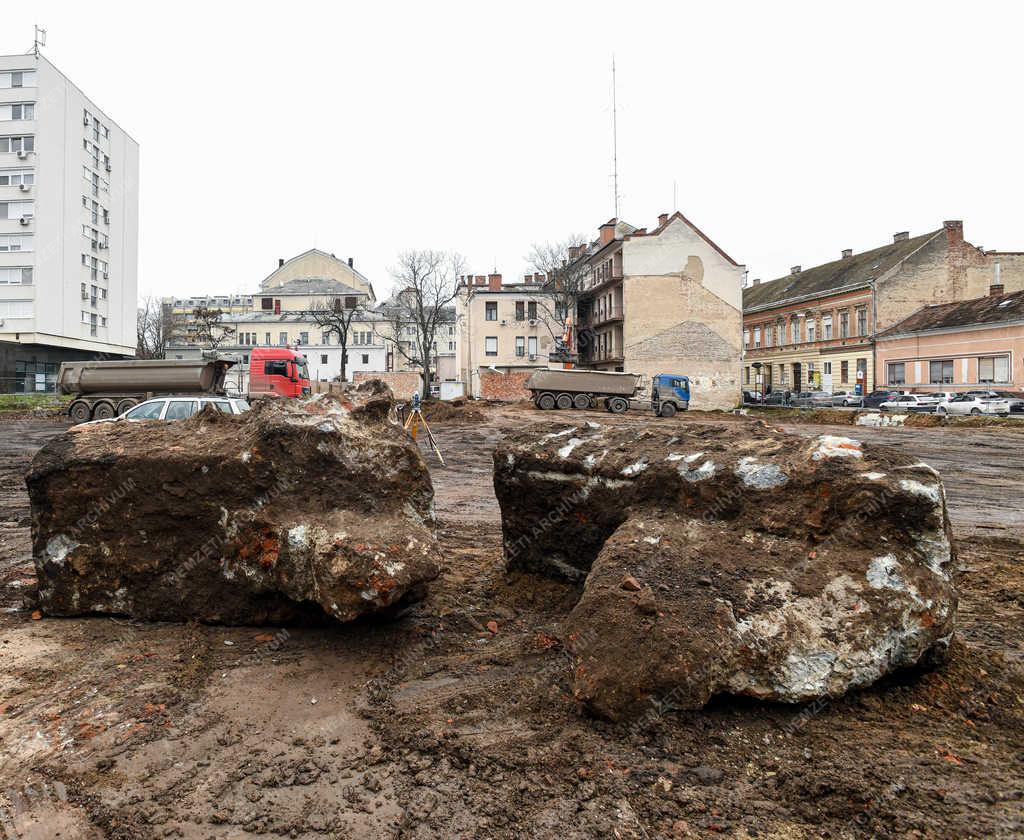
(986, 402)
(177, 408)
(1015, 398)
(752, 397)
(910, 402)
(847, 399)
(945, 396)
(810, 398)
(776, 398)
(876, 398)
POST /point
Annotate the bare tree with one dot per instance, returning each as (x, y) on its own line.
(427, 283)
(567, 270)
(156, 327)
(207, 327)
(334, 318)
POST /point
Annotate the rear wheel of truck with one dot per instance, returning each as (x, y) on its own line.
(564, 401)
(668, 409)
(546, 401)
(581, 401)
(617, 405)
(103, 410)
(125, 405)
(80, 411)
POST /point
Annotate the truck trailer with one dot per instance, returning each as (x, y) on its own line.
(102, 390)
(616, 392)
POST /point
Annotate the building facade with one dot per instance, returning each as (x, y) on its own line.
(69, 180)
(505, 331)
(957, 346)
(667, 300)
(816, 328)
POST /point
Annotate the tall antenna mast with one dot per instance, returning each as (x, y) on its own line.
(615, 142)
(40, 40)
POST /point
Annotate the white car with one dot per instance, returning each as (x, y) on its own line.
(975, 404)
(176, 408)
(911, 402)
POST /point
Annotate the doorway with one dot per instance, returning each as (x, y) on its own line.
(797, 380)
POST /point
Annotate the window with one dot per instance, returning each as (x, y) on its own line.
(746, 375)
(303, 338)
(266, 339)
(940, 372)
(323, 358)
(794, 331)
(180, 409)
(365, 357)
(520, 345)
(325, 338)
(266, 303)
(520, 310)
(16, 276)
(826, 327)
(15, 309)
(844, 324)
(17, 111)
(531, 345)
(17, 209)
(15, 178)
(17, 144)
(826, 367)
(17, 78)
(491, 345)
(746, 338)
(491, 310)
(275, 367)
(993, 369)
(350, 302)
(282, 339)
(780, 333)
(811, 325)
(757, 336)
(844, 372)
(862, 321)
(897, 373)
(147, 411)
(531, 310)
(768, 335)
(451, 346)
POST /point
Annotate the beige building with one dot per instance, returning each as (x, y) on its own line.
(503, 327)
(815, 328)
(663, 301)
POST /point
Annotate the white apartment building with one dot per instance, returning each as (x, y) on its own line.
(69, 180)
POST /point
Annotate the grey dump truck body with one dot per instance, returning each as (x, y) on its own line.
(583, 389)
(106, 389)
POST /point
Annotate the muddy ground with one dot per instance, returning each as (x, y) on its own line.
(456, 720)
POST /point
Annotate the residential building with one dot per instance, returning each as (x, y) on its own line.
(663, 301)
(503, 327)
(402, 337)
(815, 328)
(69, 179)
(960, 346)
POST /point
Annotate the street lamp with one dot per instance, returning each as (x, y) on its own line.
(759, 378)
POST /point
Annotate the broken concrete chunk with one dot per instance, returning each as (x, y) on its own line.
(293, 510)
(831, 562)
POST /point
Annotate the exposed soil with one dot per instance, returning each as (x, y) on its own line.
(457, 719)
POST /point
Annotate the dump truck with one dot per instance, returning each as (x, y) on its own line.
(102, 390)
(616, 392)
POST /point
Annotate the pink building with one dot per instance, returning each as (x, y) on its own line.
(957, 346)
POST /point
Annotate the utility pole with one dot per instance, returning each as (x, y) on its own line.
(40, 40)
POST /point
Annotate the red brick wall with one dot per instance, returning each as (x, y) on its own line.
(402, 383)
(507, 387)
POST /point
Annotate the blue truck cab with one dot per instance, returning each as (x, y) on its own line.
(670, 393)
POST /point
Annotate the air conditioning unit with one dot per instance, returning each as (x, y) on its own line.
(107, 166)
(25, 219)
(25, 187)
(533, 322)
(85, 119)
(106, 275)
(22, 155)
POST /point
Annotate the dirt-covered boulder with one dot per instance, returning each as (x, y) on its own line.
(730, 559)
(294, 510)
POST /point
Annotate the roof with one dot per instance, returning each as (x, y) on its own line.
(311, 286)
(362, 315)
(340, 262)
(994, 310)
(838, 275)
(694, 228)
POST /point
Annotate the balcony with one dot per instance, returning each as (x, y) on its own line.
(601, 315)
(600, 354)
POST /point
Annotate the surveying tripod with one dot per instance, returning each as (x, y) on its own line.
(412, 423)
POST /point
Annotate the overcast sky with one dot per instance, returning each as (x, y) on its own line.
(790, 130)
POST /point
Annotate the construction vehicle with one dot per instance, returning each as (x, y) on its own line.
(103, 390)
(277, 372)
(616, 392)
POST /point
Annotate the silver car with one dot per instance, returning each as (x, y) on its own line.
(911, 402)
(976, 404)
(847, 399)
(808, 399)
(176, 408)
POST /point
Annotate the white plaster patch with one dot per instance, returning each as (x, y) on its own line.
(873, 476)
(566, 451)
(635, 469)
(691, 458)
(704, 471)
(297, 536)
(652, 540)
(674, 456)
(592, 425)
(392, 567)
(834, 446)
(59, 547)
(761, 476)
(916, 488)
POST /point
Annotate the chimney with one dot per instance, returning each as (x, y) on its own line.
(795, 270)
(538, 277)
(997, 280)
(954, 231)
(480, 280)
(757, 281)
(607, 231)
(902, 236)
(847, 253)
(280, 261)
(527, 278)
(494, 282)
(662, 219)
(350, 262)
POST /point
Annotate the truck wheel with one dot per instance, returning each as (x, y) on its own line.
(668, 409)
(581, 401)
(546, 401)
(103, 410)
(617, 405)
(80, 411)
(564, 401)
(125, 405)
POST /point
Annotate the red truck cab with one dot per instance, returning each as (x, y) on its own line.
(277, 372)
